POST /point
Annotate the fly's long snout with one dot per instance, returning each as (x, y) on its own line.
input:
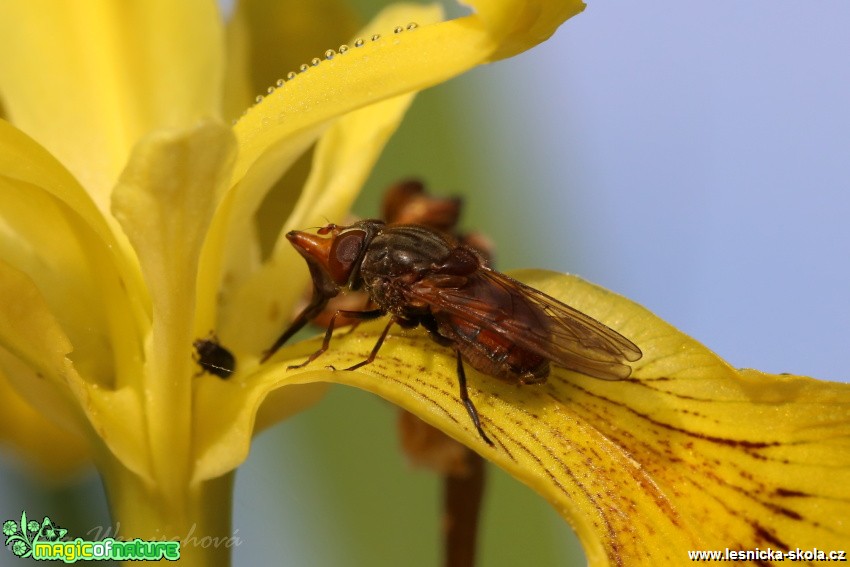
(312, 246)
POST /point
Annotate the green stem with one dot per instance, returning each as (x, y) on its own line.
(200, 519)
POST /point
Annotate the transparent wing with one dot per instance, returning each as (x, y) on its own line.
(531, 319)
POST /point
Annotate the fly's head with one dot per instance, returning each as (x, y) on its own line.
(334, 254)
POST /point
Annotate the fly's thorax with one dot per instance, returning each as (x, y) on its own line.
(401, 251)
(397, 257)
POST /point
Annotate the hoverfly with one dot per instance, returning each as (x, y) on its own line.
(498, 325)
(407, 202)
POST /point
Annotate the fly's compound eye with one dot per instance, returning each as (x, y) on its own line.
(345, 252)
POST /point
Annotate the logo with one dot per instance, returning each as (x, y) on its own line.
(20, 538)
(46, 541)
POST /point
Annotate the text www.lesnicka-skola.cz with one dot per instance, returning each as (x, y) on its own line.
(768, 554)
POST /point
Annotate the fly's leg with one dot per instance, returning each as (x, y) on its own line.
(464, 397)
(314, 308)
(376, 348)
(356, 324)
(362, 315)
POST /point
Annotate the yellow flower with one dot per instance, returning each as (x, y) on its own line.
(129, 229)
(128, 205)
(688, 454)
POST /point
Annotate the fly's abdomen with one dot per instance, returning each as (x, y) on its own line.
(492, 353)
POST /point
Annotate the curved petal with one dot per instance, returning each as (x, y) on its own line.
(344, 157)
(519, 26)
(258, 310)
(687, 454)
(222, 440)
(165, 201)
(266, 39)
(393, 60)
(100, 329)
(35, 360)
(54, 452)
(35, 348)
(77, 256)
(341, 164)
(98, 75)
(22, 159)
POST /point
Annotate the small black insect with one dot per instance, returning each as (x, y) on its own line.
(214, 358)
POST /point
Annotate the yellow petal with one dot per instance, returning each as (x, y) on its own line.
(35, 359)
(518, 26)
(23, 159)
(77, 257)
(34, 348)
(687, 454)
(55, 453)
(72, 295)
(165, 201)
(259, 309)
(343, 159)
(265, 40)
(88, 79)
(234, 411)
(390, 64)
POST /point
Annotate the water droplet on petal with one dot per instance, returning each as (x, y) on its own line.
(259, 98)
(376, 37)
(412, 26)
(291, 75)
(358, 42)
(329, 54)
(398, 29)
(270, 90)
(279, 82)
(315, 61)
(343, 49)
(304, 67)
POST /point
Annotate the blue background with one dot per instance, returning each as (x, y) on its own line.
(694, 157)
